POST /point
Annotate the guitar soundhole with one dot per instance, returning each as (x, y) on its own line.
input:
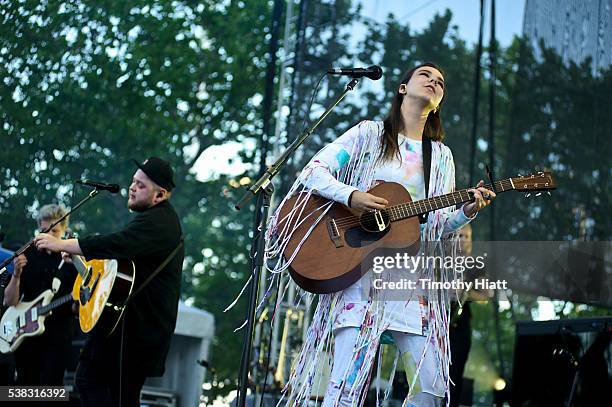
(357, 237)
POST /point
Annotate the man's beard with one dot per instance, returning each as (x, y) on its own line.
(139, 207)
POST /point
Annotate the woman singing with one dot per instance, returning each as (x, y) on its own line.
(355, 319)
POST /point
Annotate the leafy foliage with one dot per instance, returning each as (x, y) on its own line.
(88, 86)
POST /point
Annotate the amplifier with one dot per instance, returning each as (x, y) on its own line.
(562, 360)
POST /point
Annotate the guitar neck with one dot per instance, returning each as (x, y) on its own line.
(79, 264)
(54, 304)
(407, 210)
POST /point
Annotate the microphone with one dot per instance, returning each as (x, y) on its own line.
(373, 72)
(112, 188)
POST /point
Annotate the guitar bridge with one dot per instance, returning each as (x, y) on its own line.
(85, 293)
(334, 233)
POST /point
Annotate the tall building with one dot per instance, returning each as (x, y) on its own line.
(576, 29)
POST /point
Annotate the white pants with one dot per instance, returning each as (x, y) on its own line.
(428, 391)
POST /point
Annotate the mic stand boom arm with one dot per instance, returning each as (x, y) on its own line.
(25, 247)
(262, 188)
(266, 178)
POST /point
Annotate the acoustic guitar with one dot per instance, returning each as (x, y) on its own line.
(101, 288)
(331, 257)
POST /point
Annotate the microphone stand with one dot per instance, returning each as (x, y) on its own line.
(25, 247)
(263, 189)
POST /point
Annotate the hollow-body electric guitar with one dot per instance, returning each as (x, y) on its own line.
(330, 258)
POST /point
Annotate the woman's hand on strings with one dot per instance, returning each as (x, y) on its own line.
(482, 198)
(363, 201)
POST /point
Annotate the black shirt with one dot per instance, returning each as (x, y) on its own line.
(150, 317)
(37, 276)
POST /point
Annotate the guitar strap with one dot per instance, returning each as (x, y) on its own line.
(157, 270)
(426, 145)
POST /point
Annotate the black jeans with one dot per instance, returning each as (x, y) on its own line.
(99, 384)
(41, 361)
(460, 344)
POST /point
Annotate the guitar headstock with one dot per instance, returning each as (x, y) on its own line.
(541, 181)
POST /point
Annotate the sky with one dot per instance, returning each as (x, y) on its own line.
(418, 14)
(466, 15)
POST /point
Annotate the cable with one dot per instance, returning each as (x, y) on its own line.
(416, 10)
(263, 389)
(312, 97)
(121, 357)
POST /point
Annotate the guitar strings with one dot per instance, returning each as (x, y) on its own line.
(406, 210)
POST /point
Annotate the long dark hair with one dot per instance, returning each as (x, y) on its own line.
(393, 122)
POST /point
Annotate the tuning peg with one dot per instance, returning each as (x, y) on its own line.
(528, 194)
(538, 194)
(548, 192)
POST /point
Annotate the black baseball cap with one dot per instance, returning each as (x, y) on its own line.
(159, 170)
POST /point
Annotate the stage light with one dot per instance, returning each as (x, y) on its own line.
(240, 183)
(499, 384)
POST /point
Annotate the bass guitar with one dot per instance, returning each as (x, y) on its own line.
(330, 258)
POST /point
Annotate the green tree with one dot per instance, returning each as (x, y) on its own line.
(558, 117)
(88, 86)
